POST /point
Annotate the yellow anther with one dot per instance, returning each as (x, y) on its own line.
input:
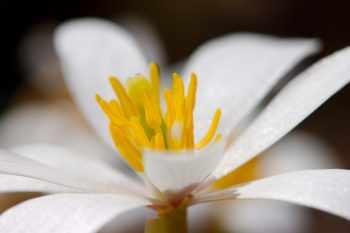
(187, 131)
(153, 142)
(139, 133)
(128, 106)
(191, 92)
(174, 144)
(116, 108)
(115, 119)
(179, 96)
(135, 85)
(187, 138)
(127, 149)
(212, 130)
(159, 142)
(169, 101)
(155, 81)
(103, 105)
(153, 117)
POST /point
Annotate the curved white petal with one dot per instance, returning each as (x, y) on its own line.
(175, 171)
(71, 162)
(297, 151)
(262, 216)
(327, 190)
(78, 213)
(14, 164)
(236, 71)
(11, 183)
(293, 104)
(60, 123)
(90, 51)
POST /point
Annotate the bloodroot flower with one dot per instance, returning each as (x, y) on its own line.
(180, 140)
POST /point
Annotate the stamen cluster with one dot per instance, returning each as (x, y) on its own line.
(137, 120)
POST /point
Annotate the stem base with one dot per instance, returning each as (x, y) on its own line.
(173, 221)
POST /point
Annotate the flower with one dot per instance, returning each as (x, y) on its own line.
(287, 155)
(234, 74)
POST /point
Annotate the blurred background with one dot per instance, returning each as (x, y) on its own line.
(29, 69)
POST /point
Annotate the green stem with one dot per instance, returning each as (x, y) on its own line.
(173, 221)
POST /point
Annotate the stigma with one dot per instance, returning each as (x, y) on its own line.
(138, 121)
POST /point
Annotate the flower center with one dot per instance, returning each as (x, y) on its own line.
(137, 120)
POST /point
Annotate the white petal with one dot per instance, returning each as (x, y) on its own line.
(262, 216)
(71, 162)
(327, 190)
(10, 183)
(60, 123)
(85, 213)
(14, 164)
(236, 71)
(173, 172)
(297, 151)
(90, 51)
(294, 103)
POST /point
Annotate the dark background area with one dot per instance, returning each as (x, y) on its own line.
(183, 25)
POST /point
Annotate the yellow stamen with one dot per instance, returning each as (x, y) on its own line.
(115, 119)
(170, 115)
(191, 93)
(152, 114)
(139, 133)
(116, 108)
(155, 81)
(187, 131)
(212, 130)
(179, 96)
(128, 106)
(127, 150)
(137, 120)
(159, 142)
(175, 144)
